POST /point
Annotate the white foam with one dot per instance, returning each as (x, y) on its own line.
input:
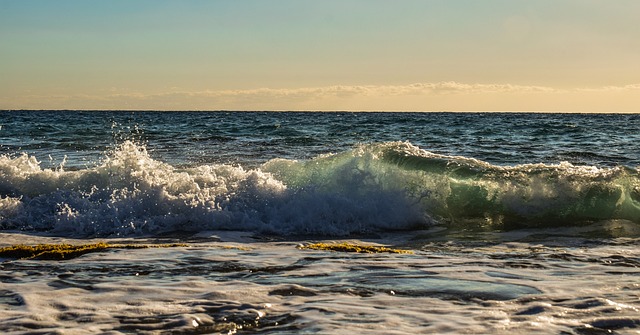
(131, 193)
(387, 186)
(444, 287)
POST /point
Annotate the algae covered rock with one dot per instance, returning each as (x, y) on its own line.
(352, 247)
(68, 251)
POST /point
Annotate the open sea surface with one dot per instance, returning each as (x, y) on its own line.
(514, 223)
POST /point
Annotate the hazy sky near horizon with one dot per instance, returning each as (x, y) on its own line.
(547, 55)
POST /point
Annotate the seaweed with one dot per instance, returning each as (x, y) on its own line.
(69, 251)
(351, 247)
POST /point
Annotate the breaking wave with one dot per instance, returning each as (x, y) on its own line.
(375, 187)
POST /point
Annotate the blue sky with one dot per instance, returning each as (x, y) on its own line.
(577, 55)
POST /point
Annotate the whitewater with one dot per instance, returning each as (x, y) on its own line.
(511, 223)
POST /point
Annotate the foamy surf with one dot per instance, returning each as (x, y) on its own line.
(225, 284)
(372, 188)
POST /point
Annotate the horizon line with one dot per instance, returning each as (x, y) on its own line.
(313, 111)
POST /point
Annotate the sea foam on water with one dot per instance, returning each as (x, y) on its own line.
(131, 193)
(378, 187)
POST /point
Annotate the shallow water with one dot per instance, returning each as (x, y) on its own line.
(228, 282)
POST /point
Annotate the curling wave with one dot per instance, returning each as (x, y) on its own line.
(375, 187)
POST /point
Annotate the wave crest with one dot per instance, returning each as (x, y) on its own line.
(132, 194)
(386, 186)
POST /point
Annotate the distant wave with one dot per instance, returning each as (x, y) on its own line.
(375, 187)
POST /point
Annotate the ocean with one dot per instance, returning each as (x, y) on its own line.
(503, 223)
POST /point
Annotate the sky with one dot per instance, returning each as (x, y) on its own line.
(358, 55)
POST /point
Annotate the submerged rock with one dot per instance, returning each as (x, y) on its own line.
(350, 247)
(69, 251)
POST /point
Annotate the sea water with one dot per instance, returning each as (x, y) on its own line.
(517, 222)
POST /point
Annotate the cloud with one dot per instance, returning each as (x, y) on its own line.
(345, 91)
(632, 87)
(418, 96)
(395, 90)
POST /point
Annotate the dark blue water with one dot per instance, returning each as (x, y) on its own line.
(252, 138)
